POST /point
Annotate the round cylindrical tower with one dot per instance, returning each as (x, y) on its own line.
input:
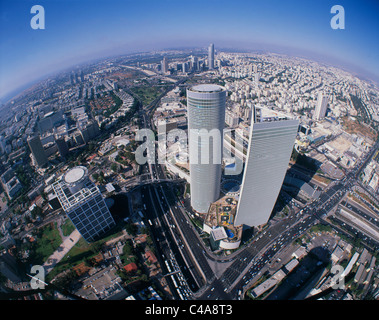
(206, 119)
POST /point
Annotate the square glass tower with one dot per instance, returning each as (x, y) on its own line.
(83, 203)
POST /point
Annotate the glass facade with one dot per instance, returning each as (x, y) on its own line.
(92, 218)
(86, 209)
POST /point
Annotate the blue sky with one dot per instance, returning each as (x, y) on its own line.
(80, 30)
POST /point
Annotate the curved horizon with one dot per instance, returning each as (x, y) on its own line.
(77, 32)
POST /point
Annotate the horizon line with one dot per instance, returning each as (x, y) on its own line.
(343, 65)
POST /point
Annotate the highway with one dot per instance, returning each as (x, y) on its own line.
(167, 248)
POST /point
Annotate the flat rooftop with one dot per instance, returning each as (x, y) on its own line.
(219, 233)
(207, 88)
(264, 114)
(69, 200)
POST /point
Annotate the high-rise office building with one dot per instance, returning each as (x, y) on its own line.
(37, 150)
(164, 65)
(9, 267)
(90, 131)
(272, 136)
(62, 146)
(206, 112)
(184, 67)
(194, 63)
(72, 80)
(256, 76)
(83, 203)
(211, 56)
(320, 110)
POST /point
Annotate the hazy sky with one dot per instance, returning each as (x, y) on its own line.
(80, 30)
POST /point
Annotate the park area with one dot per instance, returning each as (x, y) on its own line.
(59, 247)
(48, 240)
(82, 256)
(146, 93)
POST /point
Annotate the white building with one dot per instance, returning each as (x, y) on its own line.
(231, 119)
(206, 112)
(322, 103)
(211, 56)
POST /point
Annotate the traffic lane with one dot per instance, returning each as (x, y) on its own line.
(216, 291)
(264, 261)
(168, 246)
(245, 257)
(162, 251)
(193, 241)
(190, 236)
(182, 262)
(362, 212)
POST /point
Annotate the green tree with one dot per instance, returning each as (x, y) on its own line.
(131, 228)
(128, 248)
(115, 167)
(36, 212)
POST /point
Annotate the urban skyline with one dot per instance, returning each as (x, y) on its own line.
(273, 26)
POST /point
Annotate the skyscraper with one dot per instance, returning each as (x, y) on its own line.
(194, 63)
(164, 65)
(184, 67)
(62, 146)
(72, 82)
(37, 150)
(272, 136)
(206, 119)
(320, 110)
(83, 203)
(211, 56)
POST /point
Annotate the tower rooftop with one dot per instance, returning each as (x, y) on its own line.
(207, 88)
(75, 175)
